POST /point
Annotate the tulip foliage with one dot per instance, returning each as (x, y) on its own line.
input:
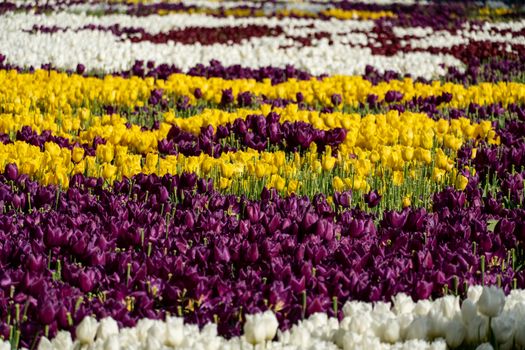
(152, 197)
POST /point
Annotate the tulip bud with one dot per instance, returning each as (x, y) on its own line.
(477, 330)
(391, 331)
(491, 301)
(455, 333)
(62, 340)
(468, 311)
(175, 331)
(418, 329)
(11, 171)
(503, 328)
(44, 344)
(107, 328)
(112, 342)
(86, 330)
(254, 329)
(485, 346)
(271, 324)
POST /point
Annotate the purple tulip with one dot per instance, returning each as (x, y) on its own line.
(372, 198)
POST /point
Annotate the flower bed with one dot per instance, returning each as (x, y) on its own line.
(212, 175)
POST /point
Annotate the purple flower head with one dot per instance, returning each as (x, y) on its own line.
(11, 171)
(197, 93)
(372, 198)
(227, 97)
(336, 99)
(80, 69)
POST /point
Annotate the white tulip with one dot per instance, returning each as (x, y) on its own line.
(402, 304)
(153, 344)
(503, 328)
(477, 330)
(174, 331)
(254, 329)
(390, 331)
(469, 310)
(491, 301)
(474, 292)
(418, 329)
(112, 342)
(5, 345)
(520, 333)
(158, 331)
(423, 307)
(485, 346)
(449, 306)
(271, 324)
(106, 328)
(86, 330)
(44, 344)
(455, 333)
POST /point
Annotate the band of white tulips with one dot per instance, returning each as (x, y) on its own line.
(485, 316)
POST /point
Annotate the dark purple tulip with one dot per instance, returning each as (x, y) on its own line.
(423, 289)
(359, 228)
(80, 68)
(372, 198)
(221, 254)
(11, 171)
(197, 93)
(336, 99)
(394, 219)
(163, 195)
(343, 199)
(47, 313)
(227, 97)
(86, 281)
(299, 97)
(372, 100)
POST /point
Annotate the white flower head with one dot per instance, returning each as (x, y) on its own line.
(455, 333)
(491, 301)
(106, 328)
(503, 328)
(86, 330)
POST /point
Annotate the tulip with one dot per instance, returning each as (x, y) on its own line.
(418, 329)
(175, 331)
(372, 198)
(491, 301)
(468, 311)
(62, 340)
(255, 331)
(390, 332)
(503, 328)
(112, 342)
(11, 171)
(455, 333)
(106, 328)
(86, 330)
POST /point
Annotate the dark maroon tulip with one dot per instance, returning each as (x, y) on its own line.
(336, 99)
(86, 281)
(343, 199)
(394, 219)
(372, 198)
(423, 289)
(227, 97)
(11, 171)
(47, 313)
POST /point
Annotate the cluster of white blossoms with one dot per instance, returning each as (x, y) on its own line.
(333, 47)
(348, 50)
(486, 315)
